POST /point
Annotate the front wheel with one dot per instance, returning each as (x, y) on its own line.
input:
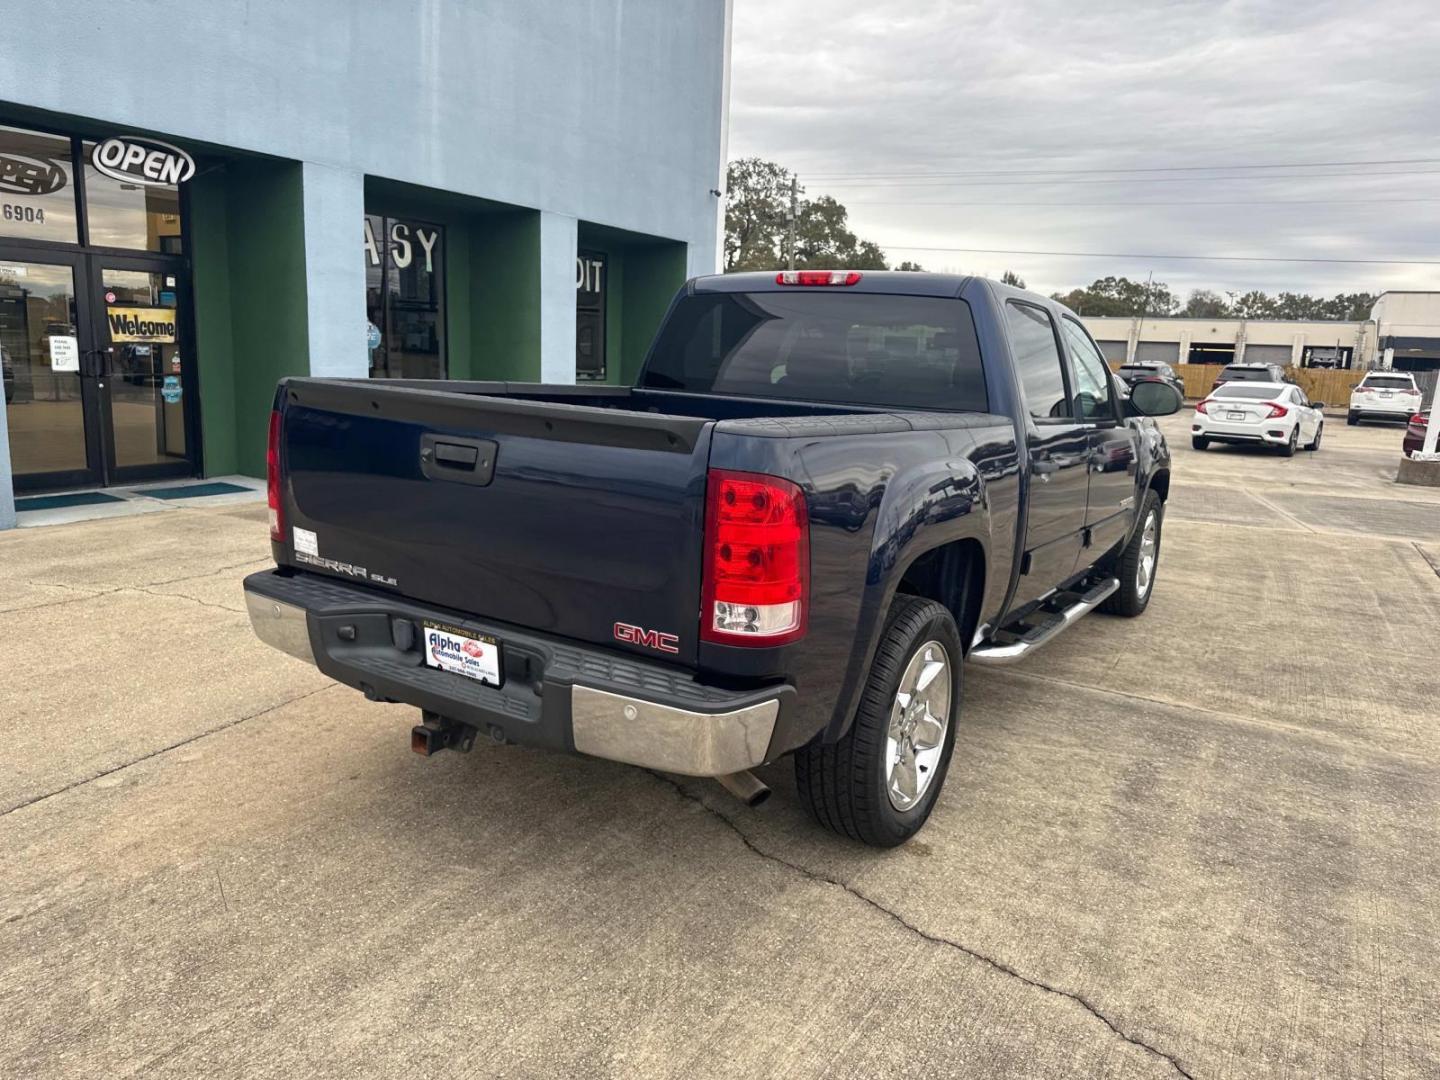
(1137, 562)
(879, 783)
(1315, 443)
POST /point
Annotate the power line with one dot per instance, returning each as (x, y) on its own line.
(1180, 202)
(1195, 258)
(1136, 169)
(1126, 180)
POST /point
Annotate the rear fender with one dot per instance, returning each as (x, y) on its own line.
(928, 507)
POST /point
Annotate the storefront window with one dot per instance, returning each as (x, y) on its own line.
(122, 214)
(37, 192)
(405, 298)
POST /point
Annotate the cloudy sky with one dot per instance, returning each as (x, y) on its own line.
(987, 124)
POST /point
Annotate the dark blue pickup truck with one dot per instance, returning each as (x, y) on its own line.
(825, 492)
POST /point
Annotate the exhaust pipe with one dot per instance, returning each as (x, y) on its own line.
(745, 786)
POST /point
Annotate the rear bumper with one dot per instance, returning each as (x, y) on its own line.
(1391, 411)
(1274, 432)
(554, 693)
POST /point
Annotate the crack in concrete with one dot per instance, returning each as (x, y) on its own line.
(88, 593)
(182, 596)
(1431, 562)
(166, 749)
(926, 935)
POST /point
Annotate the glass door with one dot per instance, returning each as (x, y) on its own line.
(146, 392)
(48, 366)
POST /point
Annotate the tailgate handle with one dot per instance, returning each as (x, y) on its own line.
(456, 455)
(461, 461)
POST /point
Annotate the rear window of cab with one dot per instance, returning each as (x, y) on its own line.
(887, 350)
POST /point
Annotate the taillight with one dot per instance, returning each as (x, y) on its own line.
(818, 277)
(757, 560)
(1203, 407)
(272, 479)
(1276, 410)
(1418, 420)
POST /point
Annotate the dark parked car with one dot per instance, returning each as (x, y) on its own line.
(1271, 373)
(1151, 369)
(1415, 433)
(7, 375)
(826, 491)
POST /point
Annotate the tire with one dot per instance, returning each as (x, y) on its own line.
(848, 784)
(1352, 418)
(1288, 450)
(1315, 443)
(1199, 443)
(1133, 596)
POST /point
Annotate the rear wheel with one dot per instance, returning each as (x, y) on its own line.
(1288, 450)
(1137, 562)
(1352, 418)
(1315, 443)
(1198, 442)
(879, 783)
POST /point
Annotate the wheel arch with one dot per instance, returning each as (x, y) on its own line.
(953, 575)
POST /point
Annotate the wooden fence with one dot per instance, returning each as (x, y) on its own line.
(1330, 385)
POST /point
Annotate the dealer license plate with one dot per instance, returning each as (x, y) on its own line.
(476, 656)
(1235, 416)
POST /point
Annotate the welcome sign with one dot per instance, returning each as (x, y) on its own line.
(154, 325)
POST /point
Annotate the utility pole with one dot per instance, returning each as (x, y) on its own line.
(790, 225)
(1145, 304)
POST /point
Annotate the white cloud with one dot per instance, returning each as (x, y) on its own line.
(910, 87)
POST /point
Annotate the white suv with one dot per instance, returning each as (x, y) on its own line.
(1392, 395)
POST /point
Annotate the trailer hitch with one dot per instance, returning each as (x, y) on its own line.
(438, 733)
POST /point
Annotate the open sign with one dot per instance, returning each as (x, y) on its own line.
(143, 161)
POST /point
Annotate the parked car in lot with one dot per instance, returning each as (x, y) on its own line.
(1384, 395)
(1266, 373)
(1415, 433)
(1266, 414)
(825, 492)
(1151, 369)
(7, 375)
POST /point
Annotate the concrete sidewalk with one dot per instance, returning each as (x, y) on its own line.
(1200, 843)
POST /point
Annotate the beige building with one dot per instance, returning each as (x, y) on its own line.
(1403, 333)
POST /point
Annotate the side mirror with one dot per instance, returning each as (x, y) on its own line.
(1153, 397)
(1317, 404)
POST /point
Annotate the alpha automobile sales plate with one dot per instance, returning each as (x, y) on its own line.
(451, 649)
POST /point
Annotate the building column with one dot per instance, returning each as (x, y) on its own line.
(558, 248)
(1183, 356)
(7, 483)
(334, 208)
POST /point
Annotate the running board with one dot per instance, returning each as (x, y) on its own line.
(1020, 645)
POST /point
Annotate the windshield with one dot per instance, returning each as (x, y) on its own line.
(1259, 393)
(1390, 382)
(910, 352)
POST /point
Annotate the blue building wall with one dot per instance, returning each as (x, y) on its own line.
(606, 112)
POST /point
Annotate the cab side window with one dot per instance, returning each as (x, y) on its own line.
(1093, 400)
(1037, 360)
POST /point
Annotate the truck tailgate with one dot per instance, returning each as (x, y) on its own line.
(558, 518)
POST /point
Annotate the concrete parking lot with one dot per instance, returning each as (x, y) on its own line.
(1202, 843)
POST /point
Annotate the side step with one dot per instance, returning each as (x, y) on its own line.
(1045, 627)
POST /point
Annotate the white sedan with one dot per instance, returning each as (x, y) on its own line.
(1263, 414)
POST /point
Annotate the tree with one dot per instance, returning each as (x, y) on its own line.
(757, 197)
(1120, 296)
(1204, 304)
(908, 265)
(1009, 277)
(1254, 305)
(756, 217)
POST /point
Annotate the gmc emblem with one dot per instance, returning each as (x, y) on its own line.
(651, 639)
